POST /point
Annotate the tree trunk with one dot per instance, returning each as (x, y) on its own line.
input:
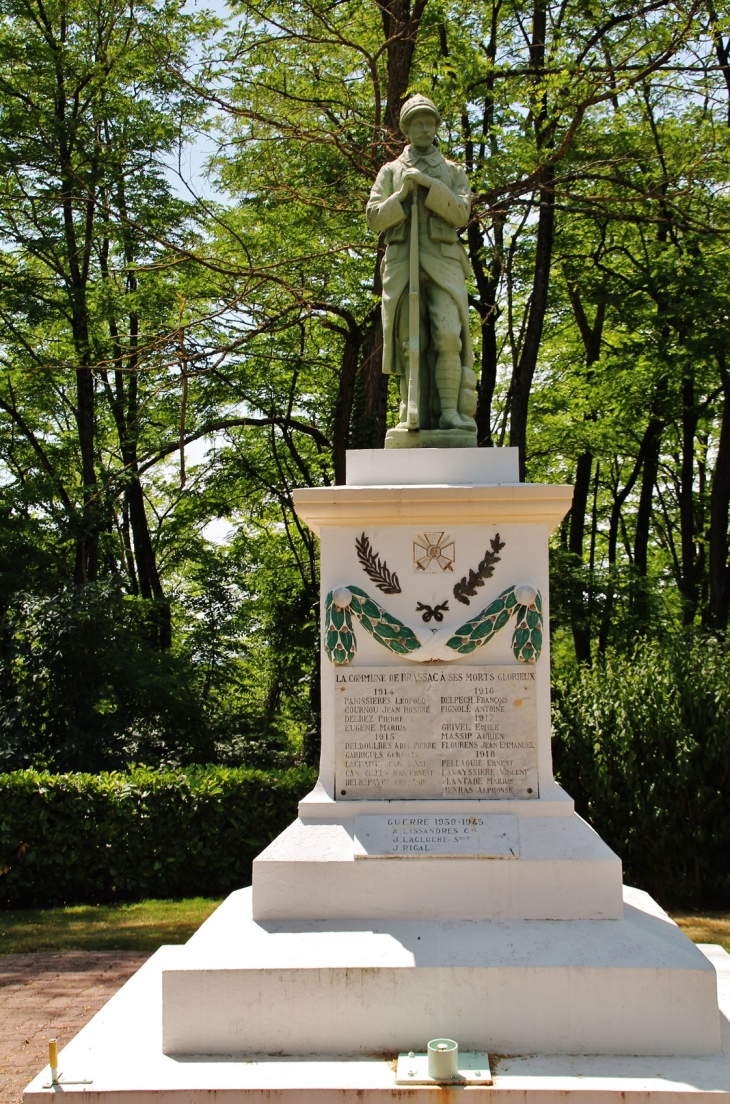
(78, 249)
(521, 385)
(487, 283)
(686, 501)
(368, 422)
(618, 501)
(722, 52)
(401, 25)
(124, 403)
(649, 457)
(581, 490)
(523, 375)
(591, 337)
(580, 623)
(486, 277)
(87, 541)
(127, 542)
(719, 509)
(610, 592)
(343, 405)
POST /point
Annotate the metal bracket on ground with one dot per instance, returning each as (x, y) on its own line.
(474, 1069)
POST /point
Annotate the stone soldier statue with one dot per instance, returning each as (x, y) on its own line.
(419, 200)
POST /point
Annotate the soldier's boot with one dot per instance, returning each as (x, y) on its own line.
(448, 382)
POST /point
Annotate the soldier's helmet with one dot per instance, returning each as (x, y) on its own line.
(417, 103)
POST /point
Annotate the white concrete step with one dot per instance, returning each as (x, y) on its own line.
(562, 871)
(631, 986)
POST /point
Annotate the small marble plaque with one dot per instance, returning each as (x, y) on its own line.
(436, 834)
(436, 730)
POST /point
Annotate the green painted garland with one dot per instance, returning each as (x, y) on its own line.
(341, 604)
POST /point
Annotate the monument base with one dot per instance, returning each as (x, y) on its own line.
(120, 1053)
(399, 438)
(555, 868)
(631, 986)
(270, 1007)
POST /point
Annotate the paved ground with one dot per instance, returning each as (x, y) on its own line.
(43, 996)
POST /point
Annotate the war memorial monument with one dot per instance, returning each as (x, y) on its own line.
(437, 886)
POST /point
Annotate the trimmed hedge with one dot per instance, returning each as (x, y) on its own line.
(72, 838)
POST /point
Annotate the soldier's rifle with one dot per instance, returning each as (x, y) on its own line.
(414, 322)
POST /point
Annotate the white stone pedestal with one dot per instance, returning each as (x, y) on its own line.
(635, 985)
(437, 881)
(561, 871)
(120, 1053)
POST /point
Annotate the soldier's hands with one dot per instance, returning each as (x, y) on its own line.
(418, 177)
(405, 189)
(412, 177)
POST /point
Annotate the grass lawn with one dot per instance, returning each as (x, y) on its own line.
(146, 925)
(712, 928)
(138, 927)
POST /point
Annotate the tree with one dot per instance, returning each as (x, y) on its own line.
(93, 257)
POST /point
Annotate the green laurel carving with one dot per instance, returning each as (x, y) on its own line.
(339, 637)
(527, 637)
(480, 629)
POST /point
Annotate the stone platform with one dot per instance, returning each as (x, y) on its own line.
(120, 1050)
(402, 438)
(636, 985)
(51, 994)
(560, 869)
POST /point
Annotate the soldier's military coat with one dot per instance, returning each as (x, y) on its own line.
(443, 208)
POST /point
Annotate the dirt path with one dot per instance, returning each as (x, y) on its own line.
(47, 995)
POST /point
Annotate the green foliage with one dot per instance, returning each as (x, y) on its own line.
(144, 833)
(168, 362)
(247, 627)
(642, 742)
(83, 685)
(615, 607)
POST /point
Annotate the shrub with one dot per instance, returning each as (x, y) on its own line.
(642, 742)
(69, 838)
(84, 686)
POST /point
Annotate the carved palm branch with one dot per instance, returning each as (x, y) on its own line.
(466, 588)
(375, 568)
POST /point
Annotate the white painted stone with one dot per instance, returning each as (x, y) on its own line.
(378, 467)
(525, 594)
(495, 504)
(564, 872)
(458, 837)
(636, 986)
(471, 1069)
(120, 1049)
(554, 802)
(523, 559)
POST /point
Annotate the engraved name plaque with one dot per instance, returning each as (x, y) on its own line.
(436, 731)
(469, 837)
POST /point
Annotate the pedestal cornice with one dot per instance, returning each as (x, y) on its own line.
(528, 503)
